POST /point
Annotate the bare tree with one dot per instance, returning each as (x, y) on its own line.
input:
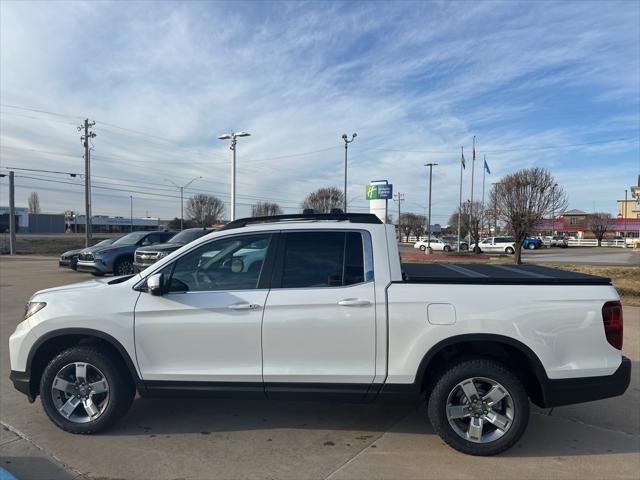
(264, 209)
(599, 223)
(524, 198)
(410, 223)
(469, 220)
(34, 203)
(205, 210)
(324, 199)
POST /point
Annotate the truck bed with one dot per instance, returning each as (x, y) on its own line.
(466, 273)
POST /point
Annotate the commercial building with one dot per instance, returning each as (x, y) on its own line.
(107, 224)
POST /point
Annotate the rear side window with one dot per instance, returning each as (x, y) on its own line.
(322, 259)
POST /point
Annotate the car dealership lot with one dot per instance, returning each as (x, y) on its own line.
(200, 438)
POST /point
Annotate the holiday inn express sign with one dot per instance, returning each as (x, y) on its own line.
(379, 192)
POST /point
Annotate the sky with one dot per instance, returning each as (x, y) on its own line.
(554, 85)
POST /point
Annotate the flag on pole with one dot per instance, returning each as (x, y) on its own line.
(464, 165)
(486, 167)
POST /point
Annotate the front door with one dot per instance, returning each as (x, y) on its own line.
(207, 327)
(319, 327)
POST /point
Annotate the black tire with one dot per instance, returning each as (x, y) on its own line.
(121, 389)
(423, 248)
(531, 246)
(447, 248)
(489, 369)
(509, 251)
(123, 266)
(464, 247)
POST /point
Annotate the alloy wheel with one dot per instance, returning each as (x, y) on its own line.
(80, 392)
(480, 410)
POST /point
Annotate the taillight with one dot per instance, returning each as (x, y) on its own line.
(612, 318)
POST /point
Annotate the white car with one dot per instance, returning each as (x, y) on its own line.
(497, 245)
(436, 245)
(327, 313)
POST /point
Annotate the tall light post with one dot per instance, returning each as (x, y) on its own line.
(625, 219)
(131, 211)
(553, 209)
(430, 165)
(181, 188)
(233, 136)
(346, 148)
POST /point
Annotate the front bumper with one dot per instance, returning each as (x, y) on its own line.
(560, 392)
(22, 383)
(65, 263)
(138, 267)
(93, 267)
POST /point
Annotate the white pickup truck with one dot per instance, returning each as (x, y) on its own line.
(327, 312)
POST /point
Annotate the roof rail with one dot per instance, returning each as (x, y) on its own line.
(341, 217)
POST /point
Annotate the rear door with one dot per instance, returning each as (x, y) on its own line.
(318, 332)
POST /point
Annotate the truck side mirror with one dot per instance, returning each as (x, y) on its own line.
(155, 284)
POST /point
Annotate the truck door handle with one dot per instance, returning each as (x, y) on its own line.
(244, 306)
(354, 302)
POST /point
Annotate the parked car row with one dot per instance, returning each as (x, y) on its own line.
(120, 256)
(491, 244)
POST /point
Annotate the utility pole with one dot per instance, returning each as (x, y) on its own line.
(181, 188)
(430, 165)
(233, 136)
(85, 139)
(346, 148)
(472, 218)
(12, 214)
(399, 197)
(131, 199)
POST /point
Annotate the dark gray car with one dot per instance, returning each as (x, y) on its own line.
(117, 258)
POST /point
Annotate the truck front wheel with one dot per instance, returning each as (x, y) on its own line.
(85, 390)
(479, 407)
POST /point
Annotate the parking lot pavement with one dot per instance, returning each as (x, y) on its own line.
(603, 256)
(208, 439)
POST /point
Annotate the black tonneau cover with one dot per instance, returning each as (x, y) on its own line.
(495, 274)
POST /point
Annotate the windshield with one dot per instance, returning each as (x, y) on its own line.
(187, 236)
(130, 239)
(107, 241)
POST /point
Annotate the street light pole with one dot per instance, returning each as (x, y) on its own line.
(181, 188)
(430, 165)
(233, 136)
(346, 148)
(553, 209)
(625, 219)
(131, 211)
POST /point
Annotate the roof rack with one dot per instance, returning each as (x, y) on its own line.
(341, 217)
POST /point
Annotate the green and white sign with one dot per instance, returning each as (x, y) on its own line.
(379, 192)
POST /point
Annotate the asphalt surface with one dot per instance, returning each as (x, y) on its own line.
(211, 439)
(603, 256)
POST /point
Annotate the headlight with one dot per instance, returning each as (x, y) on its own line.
(33, 307)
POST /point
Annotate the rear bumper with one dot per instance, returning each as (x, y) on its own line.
(22, 383)
(560, 392)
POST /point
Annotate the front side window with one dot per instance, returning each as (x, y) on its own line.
(322, 259)
(232, 263)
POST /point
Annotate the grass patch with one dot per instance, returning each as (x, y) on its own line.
(625, 279)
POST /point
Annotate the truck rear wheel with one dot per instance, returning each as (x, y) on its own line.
(479, 407)
(85, 390)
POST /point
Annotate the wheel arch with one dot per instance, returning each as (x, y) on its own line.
(54, 342)
(516, 354)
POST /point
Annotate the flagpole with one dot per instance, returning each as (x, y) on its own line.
(471, 217)
(460, 205)
(484, 171)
